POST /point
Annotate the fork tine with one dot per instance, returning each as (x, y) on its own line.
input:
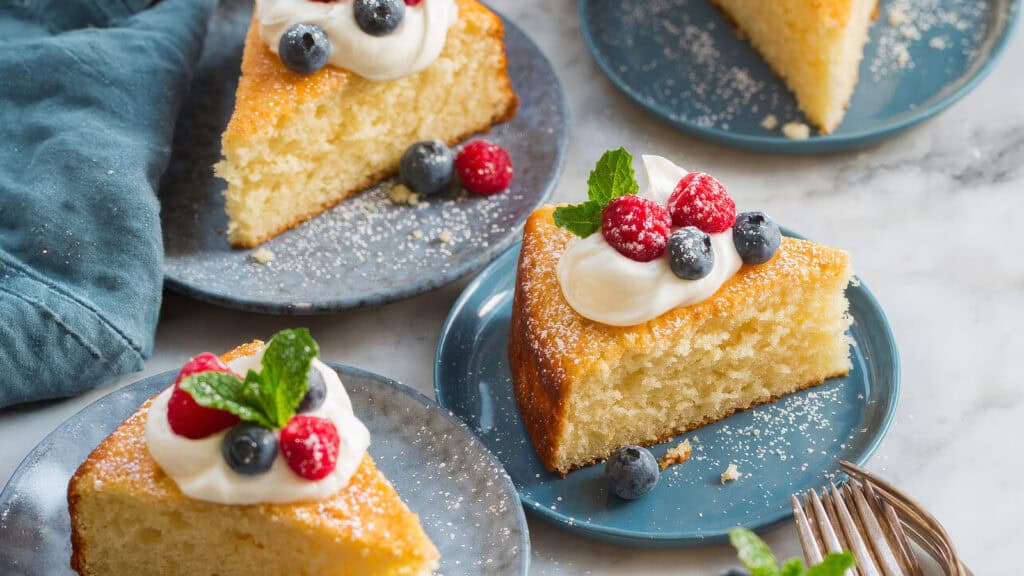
(873, 530)
(865, 561)
(899, 537)
(808, 541)
(828, 534)
(833, 519)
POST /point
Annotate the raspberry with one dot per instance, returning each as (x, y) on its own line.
(701, 201)
(413, 2)
(485, 168)
(636, 226)
(310, 446)
(186, 417)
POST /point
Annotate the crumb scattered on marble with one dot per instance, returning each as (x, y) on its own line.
(770, 122)
(401, 194)
(262, 256)
(445, 236)
(796, 130)
(731, 473)
(676, 456)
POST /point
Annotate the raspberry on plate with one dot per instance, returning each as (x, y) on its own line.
(637, 227)
(186, 417)
(310, 446)
(484, 167)
(701, 201)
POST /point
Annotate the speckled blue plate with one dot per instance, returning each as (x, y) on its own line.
(780, 448)
(430, 457)
(682, 61)
(366, 250)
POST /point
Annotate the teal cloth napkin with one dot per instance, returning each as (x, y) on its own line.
(89, 91)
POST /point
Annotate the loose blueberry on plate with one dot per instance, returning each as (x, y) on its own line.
(304, 48)
(690, 254)
(249, 449)
(756, 237)
(379, 17)
(427, 167)
(631, 472)
(316, 391)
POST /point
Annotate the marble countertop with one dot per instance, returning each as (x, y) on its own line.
(929, 217)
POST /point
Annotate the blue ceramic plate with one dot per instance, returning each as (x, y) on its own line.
(366, 250)
(780, 448)
(681, 60)
(487, 530)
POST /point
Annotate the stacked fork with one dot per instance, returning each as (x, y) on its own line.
(869, 517)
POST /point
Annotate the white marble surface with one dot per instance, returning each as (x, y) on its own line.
(933, 220)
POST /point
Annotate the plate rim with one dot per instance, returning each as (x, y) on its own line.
(506, 480)
(670, 539)
(821, 144)
(445, 278)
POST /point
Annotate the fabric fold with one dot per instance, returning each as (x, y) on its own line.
(89, 93)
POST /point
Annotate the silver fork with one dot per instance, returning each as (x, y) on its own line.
(869, 517)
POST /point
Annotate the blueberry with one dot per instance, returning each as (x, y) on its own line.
(304, 48)
(249, 449)
(427, 167)
(316, 391)
(631, 472)
(735, 571)
(379, 17)
(756, 237)
(690, 254)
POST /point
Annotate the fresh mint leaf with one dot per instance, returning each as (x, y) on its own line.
(832, 565)
(225, 392)
(754, 553)
(580, 219)
(792, 567)
(282, 382)
(612, 177)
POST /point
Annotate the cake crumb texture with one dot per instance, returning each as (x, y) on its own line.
(585, 389)
(677, 455)
(297, 145)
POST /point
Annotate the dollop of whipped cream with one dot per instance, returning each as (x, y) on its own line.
(603, 285)
(413, 46)
(200, 471)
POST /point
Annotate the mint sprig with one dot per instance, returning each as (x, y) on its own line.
(268, 397)
(612, 177)
(759, 560)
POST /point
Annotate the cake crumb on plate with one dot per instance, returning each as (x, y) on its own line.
(401, 194)
(770, 122)
(445, 236)
(796, 130)
(262, 256)
(677, 455)
(731, 473)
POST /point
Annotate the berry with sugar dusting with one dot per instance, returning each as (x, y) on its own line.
(636, 226)
(310, 446)
(757, 237)
(701, 201)
(484, 167)
(413, 2)
(186, 417)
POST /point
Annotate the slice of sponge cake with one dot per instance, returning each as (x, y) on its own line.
(297, 145)
(585, 389)
(815, 45)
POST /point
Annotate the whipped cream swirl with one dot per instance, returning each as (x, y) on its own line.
(603, 285)
(200, 471)
(413, 46)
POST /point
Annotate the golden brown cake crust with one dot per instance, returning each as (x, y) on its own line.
(365, 511)
(550, 344)
(267, 90)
